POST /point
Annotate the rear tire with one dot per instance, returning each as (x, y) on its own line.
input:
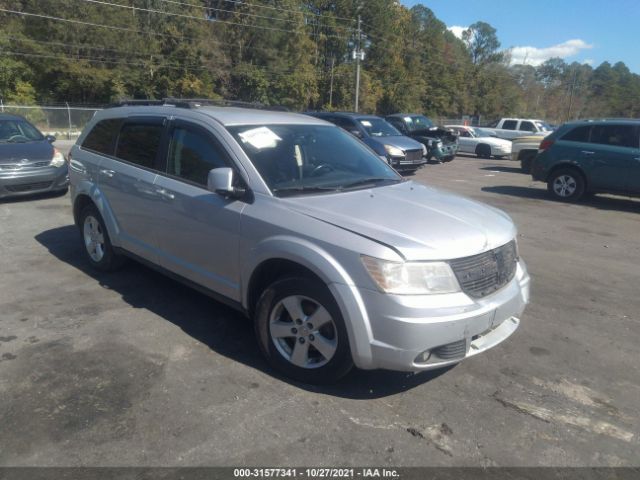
(483, 151)
(301, 331)
(96, 241)
(566, 185)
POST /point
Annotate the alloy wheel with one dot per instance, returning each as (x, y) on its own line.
(564, 185)
(93, 238)
(303, 331)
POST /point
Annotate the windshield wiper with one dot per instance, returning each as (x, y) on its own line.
(299, 189)
(368, 181)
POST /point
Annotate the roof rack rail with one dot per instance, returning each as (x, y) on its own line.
(198, 102)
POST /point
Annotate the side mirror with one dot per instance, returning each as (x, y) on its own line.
(220, 181)
(50, 138)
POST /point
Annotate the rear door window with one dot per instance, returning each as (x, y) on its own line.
(102, 137)
(139, 142)
(579, 134)
(615, 135)
(510, 124)
(192, 153)
(527, 126)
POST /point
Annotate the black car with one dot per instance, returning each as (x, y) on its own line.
(28, 161)
(400, 151)
(441, 142)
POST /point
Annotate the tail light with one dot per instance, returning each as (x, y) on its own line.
(545, 144)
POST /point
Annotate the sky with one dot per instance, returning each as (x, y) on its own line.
(585, 31)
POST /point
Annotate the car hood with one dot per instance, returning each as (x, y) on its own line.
(443, 133)
(418, 222)
(33, 151)
(400, 141)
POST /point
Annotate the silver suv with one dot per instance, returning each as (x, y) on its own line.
(337, 258)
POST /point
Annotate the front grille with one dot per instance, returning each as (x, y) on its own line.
(27, 187)
(480, 275)
(451, 350)
(413, 155)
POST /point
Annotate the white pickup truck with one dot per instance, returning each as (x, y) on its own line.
(510, 128)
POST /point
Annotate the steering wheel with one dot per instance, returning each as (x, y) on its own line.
(16, 137)
(324, 166)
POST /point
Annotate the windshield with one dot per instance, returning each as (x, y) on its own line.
(481, 132)
(544, 126)
(299, 159)
(18, 131)
(377, 127)
(417, 122)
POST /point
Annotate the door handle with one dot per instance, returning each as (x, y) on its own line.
(637, 158)
(107, 173)
(165, 193)
(587, 152)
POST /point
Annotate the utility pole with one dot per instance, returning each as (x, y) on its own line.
(358, 55)
(573, 86)
(333, 61)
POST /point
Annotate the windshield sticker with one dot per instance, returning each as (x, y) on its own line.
(408, 119)
(260, 138)
(366, 123)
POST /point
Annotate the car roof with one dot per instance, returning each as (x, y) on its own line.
(407, 115)
(10, 116)
(354, 115)
(592, 121)
(227, 116)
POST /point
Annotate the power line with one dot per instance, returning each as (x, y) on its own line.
(334, 17)
(194, 17)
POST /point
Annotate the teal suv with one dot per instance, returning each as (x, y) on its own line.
(590, 156)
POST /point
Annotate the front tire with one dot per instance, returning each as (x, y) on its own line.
(483, 151)
(301, 331)
(566, 184)
(96, 241)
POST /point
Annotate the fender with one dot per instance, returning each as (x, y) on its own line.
(327, 268)
(91, 190)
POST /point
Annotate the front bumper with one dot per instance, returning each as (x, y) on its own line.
(414, 333)
(445, 152)
(401, 163)
(33, 180)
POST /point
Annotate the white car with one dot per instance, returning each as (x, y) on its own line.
(481, 142)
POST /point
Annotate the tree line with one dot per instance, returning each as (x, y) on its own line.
(295, 53)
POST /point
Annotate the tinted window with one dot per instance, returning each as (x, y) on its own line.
(102, 137)
(527, 127)
(345, 123)
(580, 134)
(139, 142)
(615, 135)
(18, 131)
(192, 153)
(510, 124)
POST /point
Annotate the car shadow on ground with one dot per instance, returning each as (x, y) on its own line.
(224, 330)
(620, 204)
(500, 168)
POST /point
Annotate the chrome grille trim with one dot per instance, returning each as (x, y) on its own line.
(483, 274)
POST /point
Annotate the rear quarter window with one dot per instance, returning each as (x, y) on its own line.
(102, 137)
(578, 134)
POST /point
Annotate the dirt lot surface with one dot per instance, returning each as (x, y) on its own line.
(135, 369)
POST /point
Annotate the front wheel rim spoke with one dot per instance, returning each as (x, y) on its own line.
(293, 306)
(326, 347)
(281, 329)
(300, 354)
(320, 317)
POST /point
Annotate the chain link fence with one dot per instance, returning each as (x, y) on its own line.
(62, 121)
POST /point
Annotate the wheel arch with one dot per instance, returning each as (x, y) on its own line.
(568, 165)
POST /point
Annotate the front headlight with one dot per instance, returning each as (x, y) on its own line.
(393, 151)
(411, 278)
(58, 158)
